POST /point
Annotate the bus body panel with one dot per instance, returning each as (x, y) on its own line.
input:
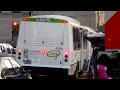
(46, 44)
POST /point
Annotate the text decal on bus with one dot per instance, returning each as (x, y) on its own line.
(37, 19)
(53, 54)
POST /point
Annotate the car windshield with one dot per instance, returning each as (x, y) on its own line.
(18, 69)
(10, 67)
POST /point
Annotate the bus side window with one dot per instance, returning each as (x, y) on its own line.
(84, 41)
(76, 39)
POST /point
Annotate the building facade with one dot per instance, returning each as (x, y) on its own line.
(100, 20)
(92, 19)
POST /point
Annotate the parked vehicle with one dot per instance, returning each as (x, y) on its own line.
(98, 47)
(11, 69)
(7, 50)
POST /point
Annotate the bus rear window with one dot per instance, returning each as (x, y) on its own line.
(44, 33)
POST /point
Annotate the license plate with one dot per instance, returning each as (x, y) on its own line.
(34, 54)
(27, 61)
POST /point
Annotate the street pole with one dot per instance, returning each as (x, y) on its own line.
(12, 23)
(90, 17)
(98, 20)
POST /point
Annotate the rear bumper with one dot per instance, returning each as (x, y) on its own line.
(47, 70)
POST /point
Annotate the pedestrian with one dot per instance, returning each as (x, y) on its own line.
(102, 66)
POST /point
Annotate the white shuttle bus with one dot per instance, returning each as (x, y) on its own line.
(53, 44)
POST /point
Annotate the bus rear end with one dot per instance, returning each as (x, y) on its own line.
(40, 47)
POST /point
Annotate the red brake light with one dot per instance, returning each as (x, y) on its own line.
(66, 56)
(42, 52)
(15, 23)
(66, 53)
(19, 50)
(19, 53)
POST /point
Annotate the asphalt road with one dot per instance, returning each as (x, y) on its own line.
(57, 77)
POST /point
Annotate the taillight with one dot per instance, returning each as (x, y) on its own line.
(19, 53)
(66, 52)
(66, 55)
(42, 52)
(19, 50)
(19, 57)
(66, 60)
